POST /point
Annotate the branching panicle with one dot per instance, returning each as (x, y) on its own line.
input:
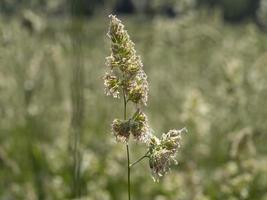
(126, 76)
(123, 60)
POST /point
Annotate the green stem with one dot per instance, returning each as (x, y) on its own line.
(125, 105)
(129, 173)
(137, 161)
(127, 149)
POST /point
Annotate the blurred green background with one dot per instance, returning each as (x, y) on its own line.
(206, 62)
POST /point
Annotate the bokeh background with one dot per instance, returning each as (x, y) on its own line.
(206, 62)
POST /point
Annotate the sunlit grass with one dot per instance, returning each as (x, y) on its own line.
(204, 74)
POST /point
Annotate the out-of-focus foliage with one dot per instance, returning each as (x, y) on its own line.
(237, 10)
(203, 74)
(171, 8)
(262, 12)
(234, 10)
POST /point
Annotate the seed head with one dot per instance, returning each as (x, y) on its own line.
(112, 85)
(121, 130)
(139, 127)
(125, 74)
(137, 88)
(163, 152)
(126, 68)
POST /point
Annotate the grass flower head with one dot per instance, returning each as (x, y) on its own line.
(125, 67)
(127, 78)
(163, 152)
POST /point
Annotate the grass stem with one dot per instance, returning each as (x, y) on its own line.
(127, 149)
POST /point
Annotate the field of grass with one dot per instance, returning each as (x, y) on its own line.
(203, 74)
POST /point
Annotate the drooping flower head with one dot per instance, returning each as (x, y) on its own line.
(163, 151)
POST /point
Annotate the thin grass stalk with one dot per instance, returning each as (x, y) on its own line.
(127, 149)
(77, 99)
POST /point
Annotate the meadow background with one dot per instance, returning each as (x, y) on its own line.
(206, 63)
